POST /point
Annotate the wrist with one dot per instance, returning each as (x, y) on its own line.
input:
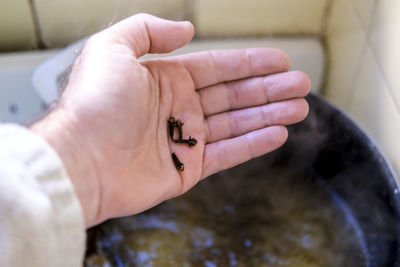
(58, 130)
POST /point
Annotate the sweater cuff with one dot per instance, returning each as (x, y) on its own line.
(44, 225)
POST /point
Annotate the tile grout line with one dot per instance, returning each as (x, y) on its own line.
(367, 45)
(386, 83)
(349, 93)
(327, 15)
(324, 42)
(36, 25)
(375, 58)
(364, 47)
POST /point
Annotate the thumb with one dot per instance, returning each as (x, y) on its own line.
(144, 33)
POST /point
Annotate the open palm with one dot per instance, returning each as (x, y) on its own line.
(234, 102)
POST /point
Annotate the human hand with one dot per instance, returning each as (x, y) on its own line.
(110, 126)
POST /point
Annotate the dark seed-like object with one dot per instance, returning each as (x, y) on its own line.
(171, 126)
(191, 141)
(179, 165)
(179, 124)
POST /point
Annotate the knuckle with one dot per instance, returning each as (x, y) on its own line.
(234, 125)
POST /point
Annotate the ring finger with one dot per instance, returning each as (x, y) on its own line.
(235, 123)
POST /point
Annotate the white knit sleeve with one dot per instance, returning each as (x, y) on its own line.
(41, 220)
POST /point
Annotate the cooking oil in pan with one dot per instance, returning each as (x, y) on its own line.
(236, 218)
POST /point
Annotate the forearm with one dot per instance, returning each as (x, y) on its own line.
(58, 131)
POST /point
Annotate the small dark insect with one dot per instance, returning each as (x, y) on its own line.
(179, 124)
(171, 126)
(179, 165)
(191, 141)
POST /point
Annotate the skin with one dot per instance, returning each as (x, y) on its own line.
(110, 126)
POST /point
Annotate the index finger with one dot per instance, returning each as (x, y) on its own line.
(213, 67)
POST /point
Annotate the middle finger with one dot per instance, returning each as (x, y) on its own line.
(253, 92)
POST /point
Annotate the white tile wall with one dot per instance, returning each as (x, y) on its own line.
(363, 10)
(258, 17)
(16, 27)
(363, 49)
(373, 107)
(63, 22)
(384, 37)
(345, 42)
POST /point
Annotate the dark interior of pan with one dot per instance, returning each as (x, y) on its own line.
(326, 198)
